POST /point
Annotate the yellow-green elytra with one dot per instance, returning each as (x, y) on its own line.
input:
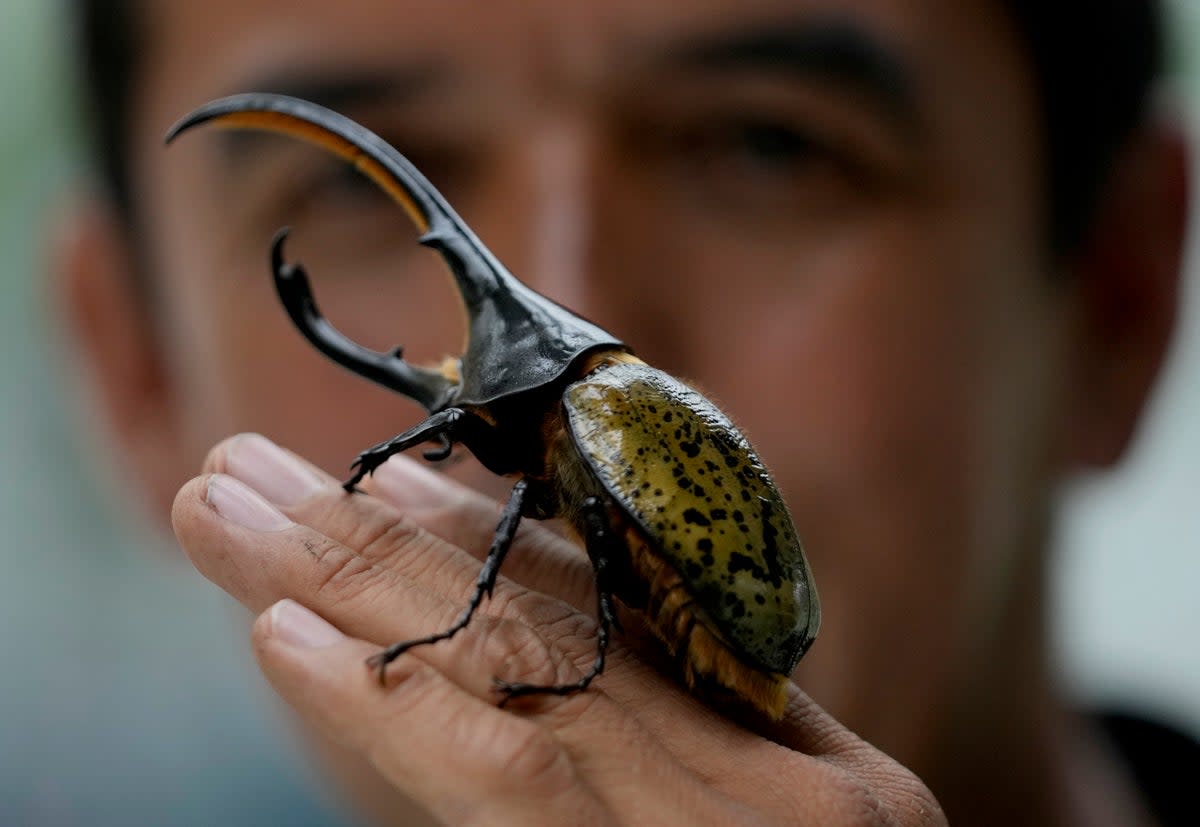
(693, 484)
(678, 515)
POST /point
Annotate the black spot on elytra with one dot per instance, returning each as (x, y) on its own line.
(719, 514)
(739, 517)
(668, 417)
(771, 544)
(685, 482)
(694, 517)
(699, 490)
(692, 449)
(711, 466)
(739, 562)
(760, 600)
(705, 545)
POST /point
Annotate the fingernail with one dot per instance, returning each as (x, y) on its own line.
(408, 483)
(238, 503)
(296, 625)
(271, 471)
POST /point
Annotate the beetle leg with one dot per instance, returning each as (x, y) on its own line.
(602, 547)
(440, 426)
(484, 584)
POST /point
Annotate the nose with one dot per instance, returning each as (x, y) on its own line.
(560, 228)
(568, 222)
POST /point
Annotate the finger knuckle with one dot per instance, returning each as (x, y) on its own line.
(533, 759)
(340, 572)
(517, 652)
(897, 799)
(397, 542)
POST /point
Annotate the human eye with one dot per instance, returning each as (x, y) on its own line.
(747, 148)
(756, 153)
(756, 165)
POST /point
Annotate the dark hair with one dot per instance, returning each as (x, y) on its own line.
(1094, 62)
(109, 49)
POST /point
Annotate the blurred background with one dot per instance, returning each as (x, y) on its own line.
(124, 694)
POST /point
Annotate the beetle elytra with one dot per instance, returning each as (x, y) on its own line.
(679, 516)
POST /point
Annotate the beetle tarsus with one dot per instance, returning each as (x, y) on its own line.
(601, 545)
(484, 584)
(441, 452)
(439, 427)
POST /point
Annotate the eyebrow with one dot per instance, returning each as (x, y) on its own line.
(835, 51)
(342, 90)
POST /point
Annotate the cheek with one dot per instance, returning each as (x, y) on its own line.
(861, 392)
(858, 384)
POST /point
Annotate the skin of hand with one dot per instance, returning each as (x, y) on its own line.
(334, 577)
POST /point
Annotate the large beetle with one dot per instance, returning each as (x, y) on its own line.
(679, 516)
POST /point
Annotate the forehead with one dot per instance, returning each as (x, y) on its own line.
(196, 50)
(509, 66)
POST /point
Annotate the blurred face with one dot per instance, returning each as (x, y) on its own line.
(797, 205)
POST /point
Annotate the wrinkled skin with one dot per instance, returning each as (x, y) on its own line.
(869, 298)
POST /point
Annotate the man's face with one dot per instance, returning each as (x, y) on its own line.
(799, 206)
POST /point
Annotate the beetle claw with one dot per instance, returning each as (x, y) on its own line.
(442, 452)
(363, 466)
(379, 664)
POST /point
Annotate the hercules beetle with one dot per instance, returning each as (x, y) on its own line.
(678, 515)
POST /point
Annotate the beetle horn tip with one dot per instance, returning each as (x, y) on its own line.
(277, 262)
(187, 122)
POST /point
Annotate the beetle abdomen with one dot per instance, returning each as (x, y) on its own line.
(704, 504)
(706, 660)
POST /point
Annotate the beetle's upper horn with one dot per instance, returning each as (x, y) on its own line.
(517, 338)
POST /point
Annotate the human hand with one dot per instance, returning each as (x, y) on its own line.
(633, 749)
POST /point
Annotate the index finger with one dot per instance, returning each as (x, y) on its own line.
(541, 560)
